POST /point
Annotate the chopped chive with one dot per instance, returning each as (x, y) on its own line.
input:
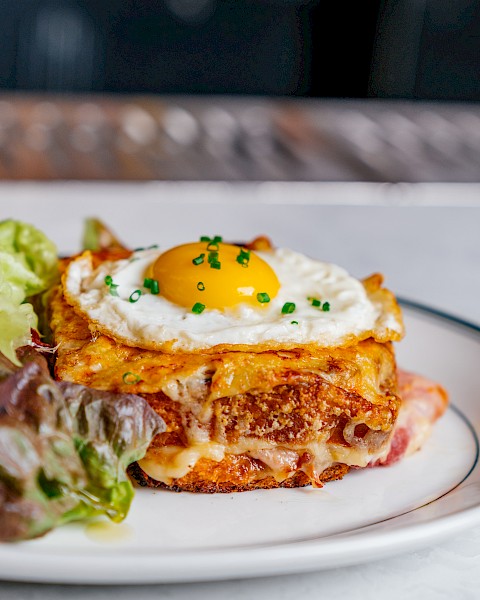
(147, 283)
(154, 288)
(198, 308)
(131, 378)
(263, 297)
(242, 261)
(200, 286)
(326, 306)
(112, 287)
(135, 296)
(314, 302)
(198, 260)
(217, 239)
(288, 308)
(138, 249)
(213, 259)
(293, 322)
(153, 247)
(244, 257)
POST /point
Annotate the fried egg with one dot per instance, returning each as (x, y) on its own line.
(209, 295)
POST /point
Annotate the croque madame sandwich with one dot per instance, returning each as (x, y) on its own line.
(269, 368)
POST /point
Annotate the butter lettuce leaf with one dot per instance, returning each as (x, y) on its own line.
(16, 319)
(64, 448)
(31, 255)
(28, 266)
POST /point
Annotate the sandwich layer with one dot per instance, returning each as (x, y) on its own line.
(240, 420)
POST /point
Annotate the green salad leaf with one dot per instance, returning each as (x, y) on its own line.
(111, 431)
(28, 266)
(64, 448)
(32, 254)
(97, 236)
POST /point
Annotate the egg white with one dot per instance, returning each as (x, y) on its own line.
(153, 322)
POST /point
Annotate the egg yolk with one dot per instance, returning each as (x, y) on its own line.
(215, 275)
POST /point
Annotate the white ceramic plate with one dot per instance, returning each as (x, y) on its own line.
(368, 515)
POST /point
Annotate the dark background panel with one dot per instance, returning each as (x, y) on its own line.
(425, 49)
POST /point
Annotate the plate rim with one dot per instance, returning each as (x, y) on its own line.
(440, 314)
(313, 554)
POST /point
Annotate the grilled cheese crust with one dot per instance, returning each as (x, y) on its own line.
(240, 419)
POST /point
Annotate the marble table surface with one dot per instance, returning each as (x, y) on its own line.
(424, 238)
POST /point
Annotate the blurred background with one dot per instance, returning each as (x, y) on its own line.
(380, 90)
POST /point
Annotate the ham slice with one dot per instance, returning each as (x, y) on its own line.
(423, 402)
